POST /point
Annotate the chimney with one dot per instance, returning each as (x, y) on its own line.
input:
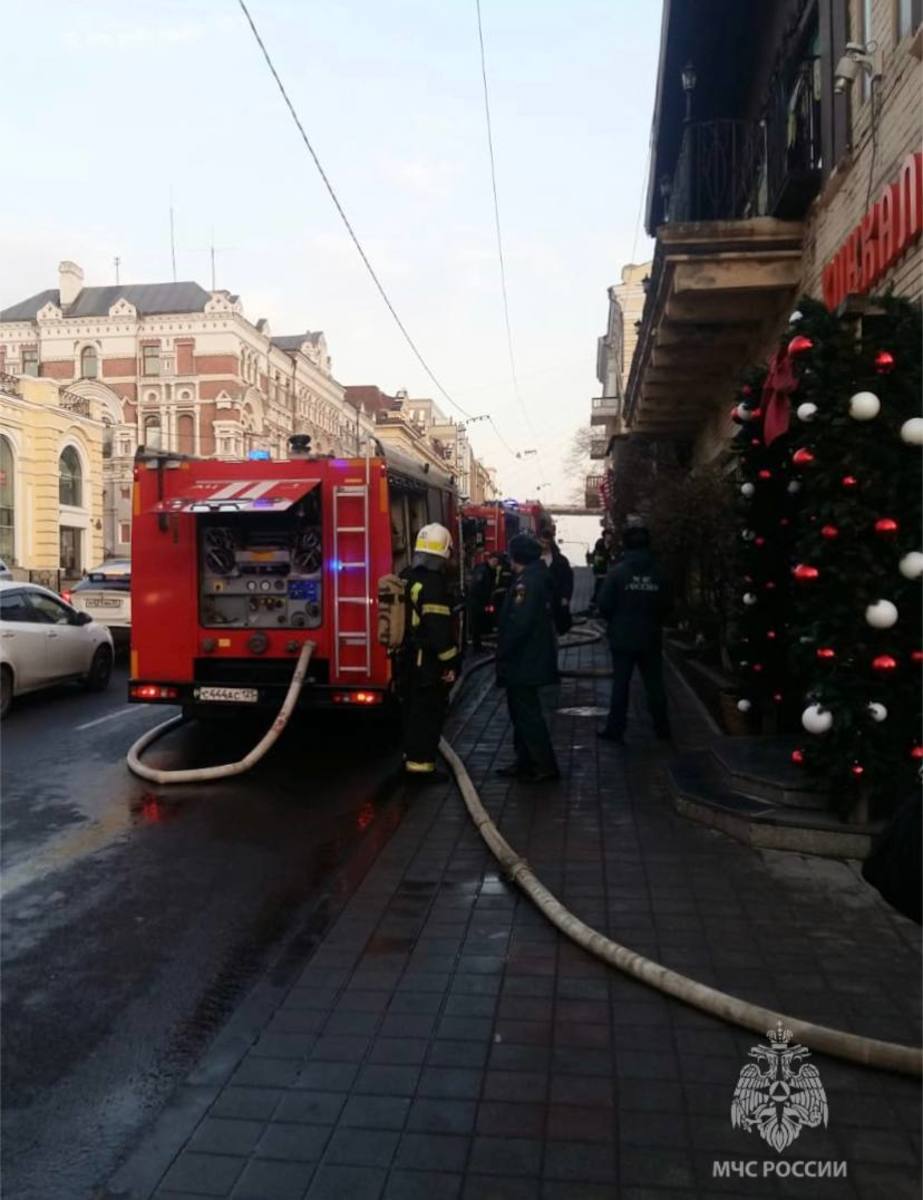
(70, 282)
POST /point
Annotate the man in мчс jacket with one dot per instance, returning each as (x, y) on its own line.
(527, 661)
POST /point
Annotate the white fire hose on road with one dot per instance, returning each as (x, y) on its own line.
(203, 774)
(870, 1052)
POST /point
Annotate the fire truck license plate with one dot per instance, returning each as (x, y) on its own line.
(234, 695)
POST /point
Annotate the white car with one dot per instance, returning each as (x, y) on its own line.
(44, 641)
(105, 594)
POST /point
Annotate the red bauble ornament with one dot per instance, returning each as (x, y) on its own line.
(917, 752)
(757, 667)
(886, 525)
(800, 344)
(884, 362)
(858, 770)
(784, 521)
(916, 656)
(771, 634)
(804, 572)
(755, 414)
(760, 541)
(826, 652)
(797, 757)
(884, 662)
(748, 579)
(777, 697)
(849, 481)
(829, 532)
(770, 585)
(764, 474)
(746, 390)
(755, 442)
(802, 457)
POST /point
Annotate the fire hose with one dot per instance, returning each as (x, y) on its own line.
(203, 774)
(869, 1052)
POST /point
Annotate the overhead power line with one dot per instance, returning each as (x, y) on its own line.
(349, 229)
(497, 226)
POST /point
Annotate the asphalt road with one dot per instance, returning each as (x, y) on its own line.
(134, 918)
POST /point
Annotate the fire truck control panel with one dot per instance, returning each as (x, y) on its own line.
(262, 574)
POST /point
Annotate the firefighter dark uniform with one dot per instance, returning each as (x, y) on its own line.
(602, 560)
(480, 602)
(635, 599)
(503, 576)
(527, 661)
(430, 653)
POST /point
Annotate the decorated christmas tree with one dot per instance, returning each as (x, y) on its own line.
(855, 636)
(766, 502)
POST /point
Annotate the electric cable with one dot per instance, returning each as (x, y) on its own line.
(345, 219)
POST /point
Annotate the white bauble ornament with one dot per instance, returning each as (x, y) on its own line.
(882, 614)
(749, 599)
(864, 406)
(911, 565)
(793, 488)
(912, 431)
(796, 316)
(816, 719)
(877, 711)
(747, 489)
(744, 705)
(747, 534)
(806, 412)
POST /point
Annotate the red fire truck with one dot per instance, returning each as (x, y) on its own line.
(488, 528)
(236, 564)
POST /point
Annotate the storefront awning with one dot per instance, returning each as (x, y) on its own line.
(239, 495)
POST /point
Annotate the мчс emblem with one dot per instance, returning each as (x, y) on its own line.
(779, 1094)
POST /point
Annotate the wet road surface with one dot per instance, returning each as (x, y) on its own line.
(134, 917)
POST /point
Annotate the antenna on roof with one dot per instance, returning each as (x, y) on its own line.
(116, 260)
(172, 237)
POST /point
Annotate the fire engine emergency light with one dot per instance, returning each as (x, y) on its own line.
(259, 455)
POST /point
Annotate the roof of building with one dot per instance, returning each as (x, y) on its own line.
(148, 299)
(294, 341)
(374, 399)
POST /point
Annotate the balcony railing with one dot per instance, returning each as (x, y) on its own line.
(593, 492)
(793, 142)
(599, 447)
(716, 172)
(74, 403)
(606, 405)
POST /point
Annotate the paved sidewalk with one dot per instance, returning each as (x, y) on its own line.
(444, 1041)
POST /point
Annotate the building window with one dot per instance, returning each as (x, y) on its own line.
(30, 360)
(7, 502)
(124, 532)
(70, 478)
(107, 438)
(185, 432)
(89, 364)
(150, 360)
(152, 432)
(909, 15)
(70, 551)
(124, 447)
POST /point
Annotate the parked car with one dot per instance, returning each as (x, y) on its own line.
(44, 640)
(5, 572)
(105, 594)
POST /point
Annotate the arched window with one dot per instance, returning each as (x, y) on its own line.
(152, 432)
(89, 364)
(70, 478)
(185, 431)
(7, 502)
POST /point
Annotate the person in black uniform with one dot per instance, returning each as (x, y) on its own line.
(527, 661)
(503, 577)
(430, 654)
(562, 578)
(635, 599)
(480, 598)
(603, 555)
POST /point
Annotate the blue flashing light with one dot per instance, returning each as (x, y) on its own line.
(259, 456)
(341, 462)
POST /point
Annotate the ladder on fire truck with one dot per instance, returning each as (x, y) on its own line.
(351, 591)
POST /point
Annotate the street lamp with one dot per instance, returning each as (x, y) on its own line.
(688, 77)
(525, 453)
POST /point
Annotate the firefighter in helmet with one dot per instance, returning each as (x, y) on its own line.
(431, 655)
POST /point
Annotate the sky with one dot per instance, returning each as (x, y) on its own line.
(123, 104)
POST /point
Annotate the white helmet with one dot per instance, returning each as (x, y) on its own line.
(434, 539)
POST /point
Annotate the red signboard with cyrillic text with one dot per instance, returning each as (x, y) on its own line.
(883, 236)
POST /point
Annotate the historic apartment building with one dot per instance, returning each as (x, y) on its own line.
(782, 163)
(51, 479)
(176, 367)
(614, 351)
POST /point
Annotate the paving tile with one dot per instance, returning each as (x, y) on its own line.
(387, 1080)
(579, 1161)
(327, 1076)
(432, 1151)
(204, 1174)
(494, 1187)
(347, 1183)
(457, 1054)
(517, 1156)
(438, 1115)
(362, 1147)
(226, 1135)
(423, 1185)
(458, 1084)
(265, 1180)
(251, 1103)
(398, 1051)
(340, 1049)
(375, 1112)
(582, 1123)
(312, 1108)
(266, 1072)
(293, 1142)
(498, 1118)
